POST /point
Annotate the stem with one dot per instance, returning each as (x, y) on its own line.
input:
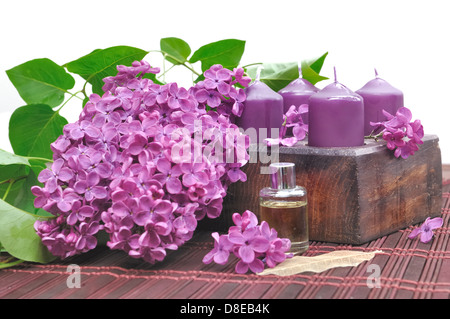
(72, 96)
(7, 264)
(164, 73)
(375, 137)
(39, 158)
(165, 54)
(11, 182)
(251, 64)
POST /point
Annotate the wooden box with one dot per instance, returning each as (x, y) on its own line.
(355, 194)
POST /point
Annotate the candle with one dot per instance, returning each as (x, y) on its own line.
(297, 93)
(378, 95)
(336, 117)
(263, 111)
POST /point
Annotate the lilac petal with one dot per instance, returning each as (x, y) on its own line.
(299, 132)
(236, 237)
(209, 256)
(246, 253)
(45, 175)
(234, 175)
(272, 141)
(241, 267)
(104, 170)
(99, 192)
(221, 257)
(92, 131)
(223, 88)
(173, 185)
(135, 148)
(124, 233)
(223, 74)
(141, 218)
(92, 179)
(415, 232)
(133, 241)
(155, 147)
(202, 95)
(237, 219)
(289, 141)
(186, 105)
(435, 222)
(256, 266)
(202, 178)
(120, 209)
(163, 165)
(91, 242)
(65, 174)
(426, 236)
(93, 228)
(51, 185)
(260, 244)
(159, 253)
(81, 243)
(189, 180)
(72, 219)
(164, 207)
(56, 166)
(64, 206)
(162, 228)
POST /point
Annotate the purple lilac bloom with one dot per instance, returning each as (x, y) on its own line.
(254, 245)
(401, 135)
(116, 168)
(292, 119)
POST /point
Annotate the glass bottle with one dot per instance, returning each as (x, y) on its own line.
(284, 207)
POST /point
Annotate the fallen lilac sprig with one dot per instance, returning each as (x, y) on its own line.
(255, 245)
(401, 134)
(292, 118)
(425, 231)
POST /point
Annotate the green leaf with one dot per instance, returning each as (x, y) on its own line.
(7, 158)
(101, 63)
(177, 48)
(32, 128)
(41, 81)
(317, 64)
(228, 53)
(18, 236)
(276, 75)
(311, 69)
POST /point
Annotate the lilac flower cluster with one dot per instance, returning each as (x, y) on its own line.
(292, 119)
(144, 162)
(253, 244)
(400, 133)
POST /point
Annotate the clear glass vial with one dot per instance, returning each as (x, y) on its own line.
(284, 206)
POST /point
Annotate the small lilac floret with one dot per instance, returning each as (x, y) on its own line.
(425, 231)
(253, 244)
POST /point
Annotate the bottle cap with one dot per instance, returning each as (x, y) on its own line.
(283, 175)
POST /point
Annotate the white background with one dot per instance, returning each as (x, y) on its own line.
(407, 41)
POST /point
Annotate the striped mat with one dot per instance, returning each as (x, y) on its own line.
(408, 269)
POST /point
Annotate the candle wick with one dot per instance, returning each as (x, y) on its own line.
(376, 73)
(258, 72)
(335, 77)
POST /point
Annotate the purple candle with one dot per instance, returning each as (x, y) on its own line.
(379, 95)
(297, 93)
(263, 109)
(336, 117)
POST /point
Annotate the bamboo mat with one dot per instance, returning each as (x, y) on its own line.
(409, 269)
